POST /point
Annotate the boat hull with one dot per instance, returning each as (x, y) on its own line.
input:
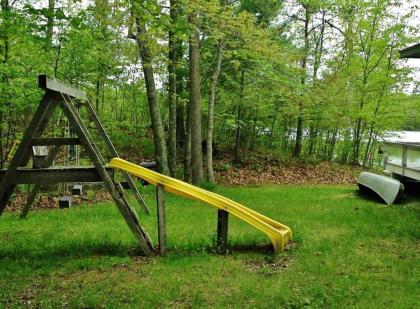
(388, 189)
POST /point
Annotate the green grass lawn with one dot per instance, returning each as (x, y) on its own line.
(347, 252)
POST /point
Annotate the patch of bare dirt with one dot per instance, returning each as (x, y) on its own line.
(268, 267)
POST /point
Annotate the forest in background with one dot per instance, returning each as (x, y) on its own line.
(314, 80)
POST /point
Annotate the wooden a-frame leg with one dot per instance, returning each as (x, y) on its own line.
(30, 200)
(22, 153)
(120, 190)
(7, 195)
(127, 212)
(114, 152)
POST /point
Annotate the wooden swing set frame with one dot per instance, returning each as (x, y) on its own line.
(58, 94)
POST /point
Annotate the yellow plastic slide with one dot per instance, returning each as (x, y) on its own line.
(278, 233)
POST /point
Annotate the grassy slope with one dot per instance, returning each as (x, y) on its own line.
(347, 251)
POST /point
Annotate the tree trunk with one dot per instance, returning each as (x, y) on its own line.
(4, 97)
(299, 126)
(154, 108)
(299, 134)
(187, 147)
(319, 48)
(366, 156)
(97, 93)
(313, 134)
(180, 124)
(1, 139)
(50, 20)
(357, 138)
(254, 130)
(332, 145)
(195, 102)
(210, 118)
(172, 90)
(238, 117)
(180, 112)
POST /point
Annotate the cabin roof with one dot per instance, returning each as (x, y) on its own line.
(411, 52)
(402, 137)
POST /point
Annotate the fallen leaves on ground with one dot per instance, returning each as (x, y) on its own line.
(256, 169)
(266, 170)
(49, 201)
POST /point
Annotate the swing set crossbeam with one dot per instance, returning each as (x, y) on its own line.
(56, 141)
(51, 84)
(55, 175)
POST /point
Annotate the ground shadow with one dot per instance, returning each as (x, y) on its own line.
(250, 248)
(369, 195)
(60, 255)
(410, 194)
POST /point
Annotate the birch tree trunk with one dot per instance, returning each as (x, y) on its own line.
(50, 20)
(187, 147)
(172, 90)
(210, 118)
(239, 116)
(154, 108)
(195, 102)
(180, 103)
(299, 126)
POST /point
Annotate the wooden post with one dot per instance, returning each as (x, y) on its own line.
(161, 217)
(222, 230)
(404, 160)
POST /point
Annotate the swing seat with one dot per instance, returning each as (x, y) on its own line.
(39, 158)
(77, 190)
(65, 202)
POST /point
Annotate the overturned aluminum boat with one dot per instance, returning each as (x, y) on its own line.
(388, 189)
